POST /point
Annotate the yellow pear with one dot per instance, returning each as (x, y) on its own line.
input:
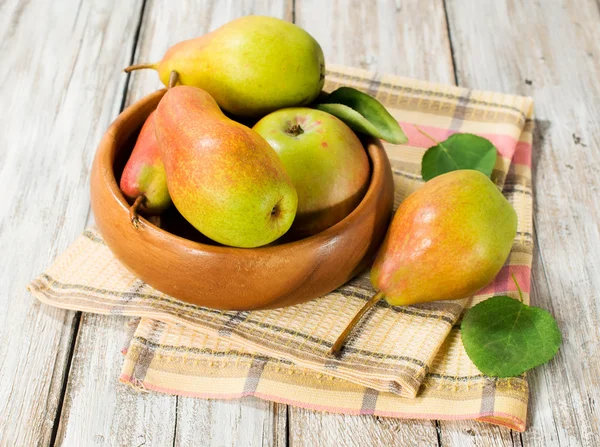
(250, 66)
(447, 241)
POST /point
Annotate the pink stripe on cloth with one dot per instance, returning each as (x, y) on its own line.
(504, 282)
(505, 144)
(494, 418)
(522, 154)
(417, 139)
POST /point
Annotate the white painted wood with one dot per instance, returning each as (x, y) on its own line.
(403, 37)
(244, 422)
(471, 433)
(98, 409)
(59, 91)
(550, 50)
(314, 429)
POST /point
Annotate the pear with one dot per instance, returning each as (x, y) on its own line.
(446, 241)
(223, 177)
(250, 66)
(144, 180)
(325, 160)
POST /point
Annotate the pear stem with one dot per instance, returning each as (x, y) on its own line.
(339, 343)
(518, 287)
(137, 67)
(173, 79)
(422, 132)
(133, 211)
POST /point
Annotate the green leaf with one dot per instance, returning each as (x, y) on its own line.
(363, 113)
(459, 151)
(504, 337)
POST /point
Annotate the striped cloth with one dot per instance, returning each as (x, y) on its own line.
(406, 362)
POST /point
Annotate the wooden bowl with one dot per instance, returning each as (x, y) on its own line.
(234, 278)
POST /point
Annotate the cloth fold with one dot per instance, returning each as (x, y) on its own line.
(401, 362)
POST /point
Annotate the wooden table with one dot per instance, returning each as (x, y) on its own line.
(62, 85)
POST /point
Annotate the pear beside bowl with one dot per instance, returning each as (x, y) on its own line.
(231, 278)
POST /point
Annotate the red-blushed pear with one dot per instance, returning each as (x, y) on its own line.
(446, 241)
(223, 177)
(144, 177)
(325, 160)
(251, 66)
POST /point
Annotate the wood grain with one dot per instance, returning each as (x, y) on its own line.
(59, 91)
(314, 429)
(472, 433)
(98, 409)
(550, 50)
(186, 421)
(403, 37)
(240, 422)
(387, 37)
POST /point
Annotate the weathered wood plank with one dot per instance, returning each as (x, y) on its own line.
(98, 409)
(241, 422)
(310, 428)
(59, 91)
(467, 433)
(403, 37)
(549, 50)
(103, 409)
(400, 37)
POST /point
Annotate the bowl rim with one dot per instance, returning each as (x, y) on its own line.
(108, 149)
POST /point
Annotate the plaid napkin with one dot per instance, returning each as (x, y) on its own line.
(404, 362)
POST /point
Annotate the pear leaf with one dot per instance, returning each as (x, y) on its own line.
(504, 337)
(363, 113)
(458, 151)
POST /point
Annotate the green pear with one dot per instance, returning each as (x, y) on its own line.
(223, 177)
(250, 66)
(446, 241)
(144, 174)
(325, 160)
